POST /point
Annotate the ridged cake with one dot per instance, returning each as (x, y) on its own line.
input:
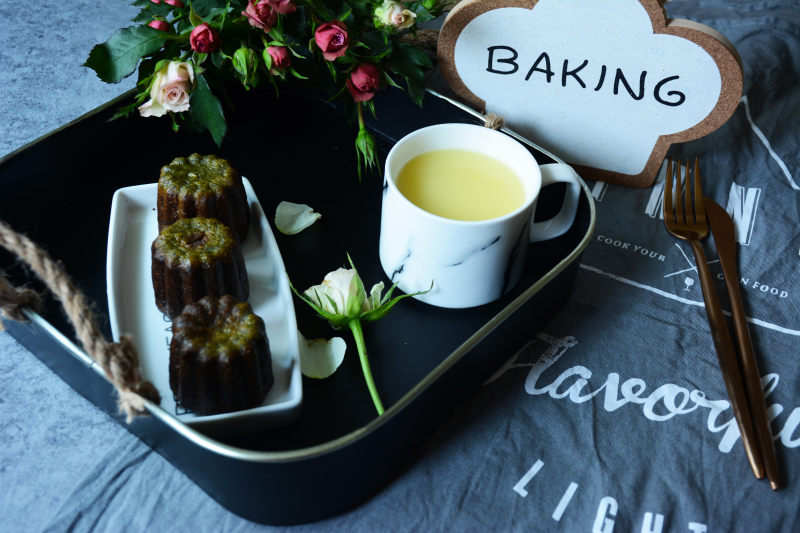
(202, 186)
(193, 258)
(219, 357)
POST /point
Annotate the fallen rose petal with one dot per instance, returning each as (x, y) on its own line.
(291, 218)
(319, 358)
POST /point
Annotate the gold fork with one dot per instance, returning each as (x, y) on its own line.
(688, 222)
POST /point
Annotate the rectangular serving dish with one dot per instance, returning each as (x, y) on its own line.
(298, 148)
(132, 310)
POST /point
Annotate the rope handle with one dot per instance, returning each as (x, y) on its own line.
(492, 121)
(119, 361)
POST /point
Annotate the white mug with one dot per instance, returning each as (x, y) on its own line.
(466, 263)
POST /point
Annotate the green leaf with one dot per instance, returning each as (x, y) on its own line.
(389, 81)
(378, 45)
(117, 58)
(338, 93)
(207, 110)
(411, 62)
(194, 18)
(335, 320)
(151, 11)
(417, 55)
(296, 74)
(125, 110)
(208, 8)
(344, 14)
(277, 35)
(416, 89)
(401, 62)
(267, 58)
(331, 69)
(199, 57)
(423, 15)
(387, 304)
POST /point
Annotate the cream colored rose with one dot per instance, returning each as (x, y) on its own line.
(169, 90)
(342, 294)
(395, 14)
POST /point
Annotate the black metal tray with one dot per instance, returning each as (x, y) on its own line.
(297, 147)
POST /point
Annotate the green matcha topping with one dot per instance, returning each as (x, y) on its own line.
(196, 239)
(197, 174)
(231, 336)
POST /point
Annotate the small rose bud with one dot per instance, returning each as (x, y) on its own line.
(281, 58)
(160, 25)
(156, 1)
(174, 3)
(366, 151)
(342, 296)
(393, 14)
(332, 39)
(284, 7)
(363, 82)
(204, 39)
(245, 62)
(261, 15)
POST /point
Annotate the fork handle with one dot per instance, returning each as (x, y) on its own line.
(728, 362)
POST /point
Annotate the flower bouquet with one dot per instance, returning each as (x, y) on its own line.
(188, 51)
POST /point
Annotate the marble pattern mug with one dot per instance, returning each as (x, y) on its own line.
(466, 263)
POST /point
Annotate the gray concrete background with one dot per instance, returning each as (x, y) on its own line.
(43, 84)
(46, 428)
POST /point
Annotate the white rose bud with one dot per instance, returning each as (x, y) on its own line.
(394, 14)
(169, 90)
(342, 300)
(342, 295)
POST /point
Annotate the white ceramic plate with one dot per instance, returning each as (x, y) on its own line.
(132, 309)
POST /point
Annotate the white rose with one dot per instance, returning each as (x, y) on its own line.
(169, 90)
(342, 293)
(395, 14)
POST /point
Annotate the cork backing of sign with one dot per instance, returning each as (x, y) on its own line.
(606, 85)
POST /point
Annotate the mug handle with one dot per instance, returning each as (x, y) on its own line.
(559, 224)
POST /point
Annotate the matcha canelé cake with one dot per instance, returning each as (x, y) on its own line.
(193, 258)
(202, 186)
(219, 358)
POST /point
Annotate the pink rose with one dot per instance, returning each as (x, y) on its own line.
(160, 25)
(332, 39)
(204, 39)
(284, 7)
(174, 3)
(281, 58)
(261, 15)
(169, 90)
(363, 82)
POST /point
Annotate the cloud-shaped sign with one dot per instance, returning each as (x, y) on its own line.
(606, 85)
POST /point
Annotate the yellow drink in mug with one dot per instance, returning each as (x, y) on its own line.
(461, 185)
(456, 216)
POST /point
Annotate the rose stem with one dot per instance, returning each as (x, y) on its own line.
(360, 116)
(358, 334)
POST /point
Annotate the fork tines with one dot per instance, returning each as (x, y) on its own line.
(684, 189)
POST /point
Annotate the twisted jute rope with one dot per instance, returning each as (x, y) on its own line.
(119, 361)
(490, 120)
